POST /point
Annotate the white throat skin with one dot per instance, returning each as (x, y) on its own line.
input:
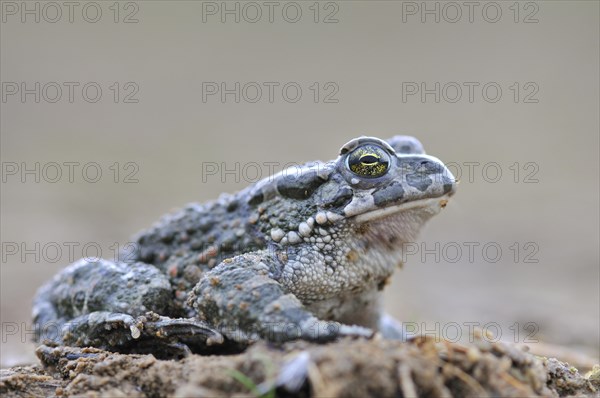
(386, 232)
(400, 223)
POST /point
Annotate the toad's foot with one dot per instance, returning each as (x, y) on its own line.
(122, 332)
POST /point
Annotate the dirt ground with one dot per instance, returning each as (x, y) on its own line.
(346, 368)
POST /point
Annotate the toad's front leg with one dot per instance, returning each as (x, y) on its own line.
(242, 299)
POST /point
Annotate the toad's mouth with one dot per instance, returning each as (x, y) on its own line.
(422, 208)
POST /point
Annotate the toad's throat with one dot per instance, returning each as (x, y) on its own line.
(391, 228)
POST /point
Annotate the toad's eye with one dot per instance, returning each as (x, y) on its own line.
(369, 161)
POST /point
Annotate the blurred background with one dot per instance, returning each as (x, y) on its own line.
(111, 112)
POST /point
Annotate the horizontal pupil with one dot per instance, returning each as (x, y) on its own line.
(369, 160)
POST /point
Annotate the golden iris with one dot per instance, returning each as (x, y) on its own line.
(369, 161)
